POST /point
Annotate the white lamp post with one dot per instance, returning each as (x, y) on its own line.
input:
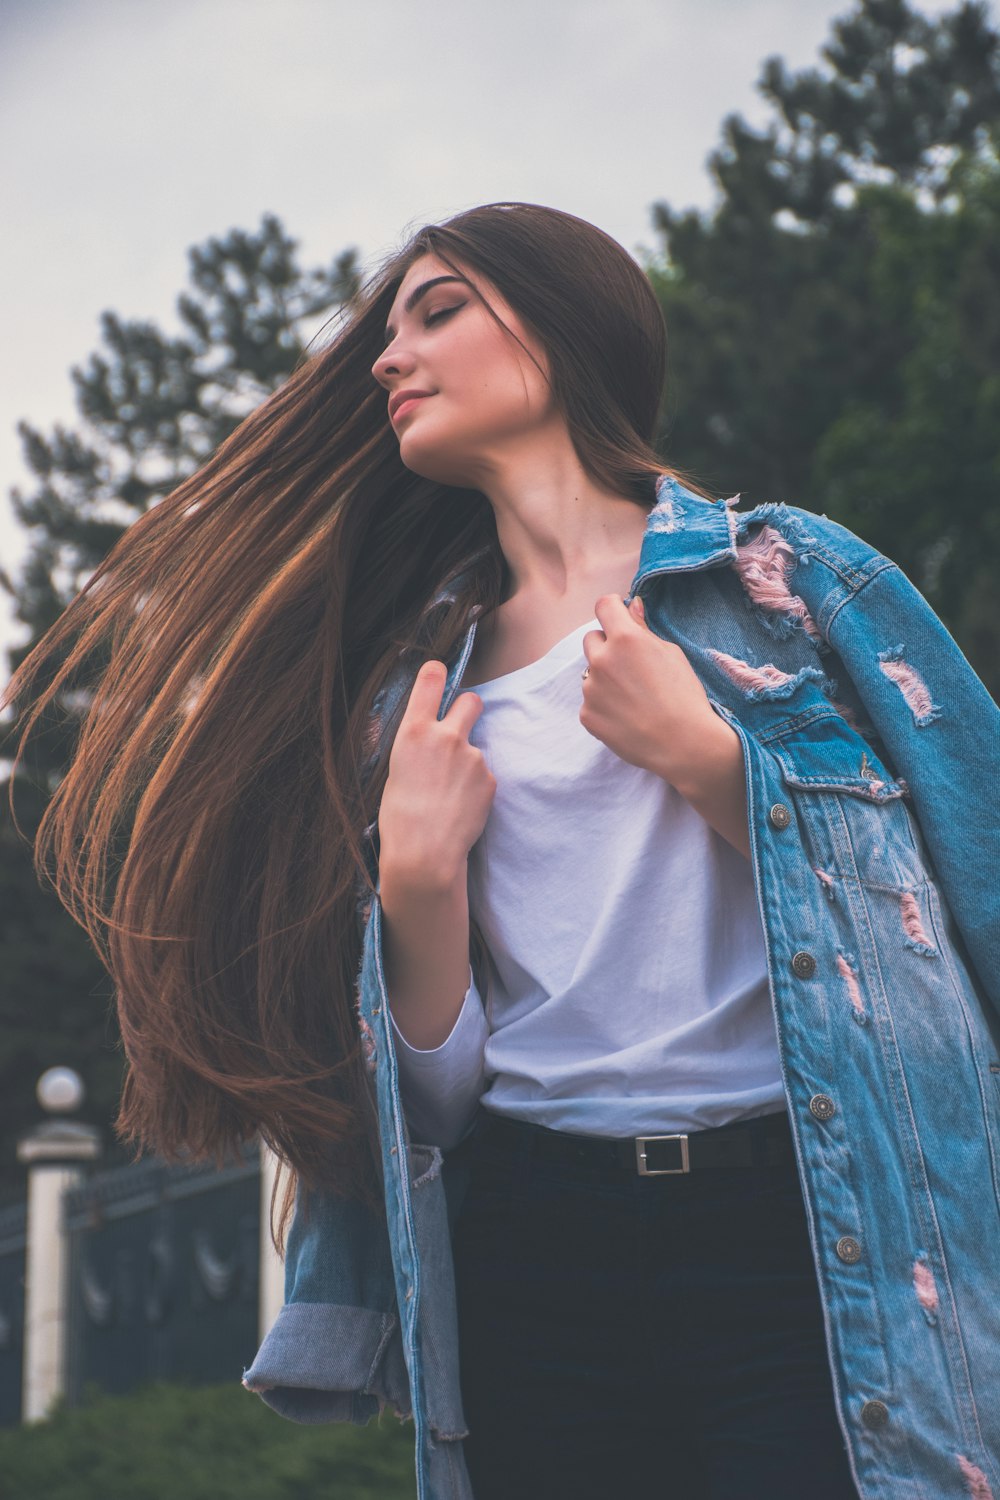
(53, 1153)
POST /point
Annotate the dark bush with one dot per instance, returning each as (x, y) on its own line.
(174, 1442)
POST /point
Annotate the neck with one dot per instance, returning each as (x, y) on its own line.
(560, 532)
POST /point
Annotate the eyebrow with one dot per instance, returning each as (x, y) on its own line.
(416, 295)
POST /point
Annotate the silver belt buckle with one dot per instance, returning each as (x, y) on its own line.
(640, 1156)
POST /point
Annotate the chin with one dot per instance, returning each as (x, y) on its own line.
(432, 461)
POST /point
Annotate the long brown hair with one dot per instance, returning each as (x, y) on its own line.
(214, 827)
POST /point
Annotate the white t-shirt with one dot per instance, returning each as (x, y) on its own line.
(630, 992)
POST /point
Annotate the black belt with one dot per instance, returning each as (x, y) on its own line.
(765, 1141)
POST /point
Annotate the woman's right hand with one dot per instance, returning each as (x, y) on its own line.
(439, 789)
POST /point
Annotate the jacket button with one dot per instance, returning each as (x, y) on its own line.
(848, 1249)
(874, 1414)
(779, 816)
(803, 965)
(822, 1106)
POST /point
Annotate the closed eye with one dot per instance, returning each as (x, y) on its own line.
(444, 312)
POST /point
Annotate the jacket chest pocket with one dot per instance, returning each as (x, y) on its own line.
(852, 806)
(822, 752)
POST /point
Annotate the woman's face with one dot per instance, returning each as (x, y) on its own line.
(481, 394)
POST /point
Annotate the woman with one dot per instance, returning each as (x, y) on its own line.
(585, 888)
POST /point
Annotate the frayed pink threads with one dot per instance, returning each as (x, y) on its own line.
(851, 980)
(764, 564)
(913, 926)
(910, 684)
(767, 681)
(976, 1482)
(744, 675)
(925, 1287)
(827, 883)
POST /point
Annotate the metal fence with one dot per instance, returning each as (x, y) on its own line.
(163, 1274)
(160, 1280)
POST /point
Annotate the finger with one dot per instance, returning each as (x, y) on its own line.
(611, 610)
(465, 710)
(592, 639)
(425, 694)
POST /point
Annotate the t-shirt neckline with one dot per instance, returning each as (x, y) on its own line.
(537, 671)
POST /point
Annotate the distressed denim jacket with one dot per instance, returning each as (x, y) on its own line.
(872, 759)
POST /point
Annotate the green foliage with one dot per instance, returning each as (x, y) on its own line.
(835, 320)
(211, 1443)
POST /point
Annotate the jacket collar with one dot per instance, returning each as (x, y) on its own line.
(685, 532)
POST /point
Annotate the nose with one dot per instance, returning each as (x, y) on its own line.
(392, 362)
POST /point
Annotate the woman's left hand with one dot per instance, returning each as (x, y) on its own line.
(643, 698)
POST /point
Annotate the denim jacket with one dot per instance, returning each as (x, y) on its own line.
(872, 759)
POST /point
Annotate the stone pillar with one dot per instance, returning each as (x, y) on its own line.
(54, 1154)
(272, 1268)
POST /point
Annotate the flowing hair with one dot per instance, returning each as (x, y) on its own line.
(215, 830)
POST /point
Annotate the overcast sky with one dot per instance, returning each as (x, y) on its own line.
(132, 129)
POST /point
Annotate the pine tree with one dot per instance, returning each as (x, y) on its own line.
(835, 318)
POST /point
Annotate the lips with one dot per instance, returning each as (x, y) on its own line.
(406, 406)
(405, 399)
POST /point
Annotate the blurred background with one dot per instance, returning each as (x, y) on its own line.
(193, 188)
